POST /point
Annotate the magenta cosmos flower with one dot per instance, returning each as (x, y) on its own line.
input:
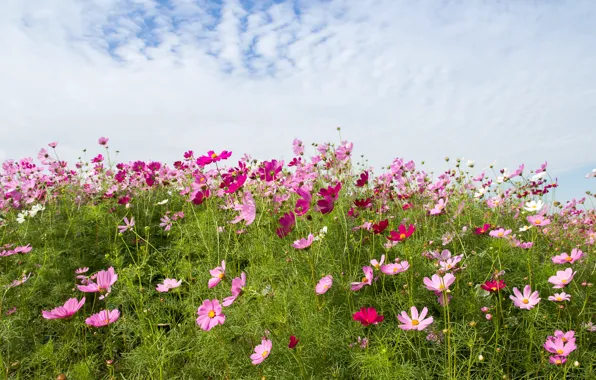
(103, 141)
(561, 345)
(238, 285)
(210, 315)
(368, 316)
(402, 233)
(62, 312)
(262, 351)
(103, 318)
(103, 282)
(213, 157)
(564, 258)
(395, 268)
(324, 284)
(562, 278)
(168, 283)
(527, 300)
(417, 322)
(493, 286)
(439, 284)
(217, 274)
(304, 243)
(366, 280)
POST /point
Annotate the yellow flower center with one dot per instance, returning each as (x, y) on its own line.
(415, 322)
(442, 287)
(364, 279)
(568, 258)
(559, 352)
(558, 361)
(564, 281)
(213, 155)
(537, 221)
(221, 275)
(494, 288)
(500, 234)
(395, 270)
(211, 314)
(526, 301)
(326, 287)
(402, 236)
(559, 298)
(265, 353)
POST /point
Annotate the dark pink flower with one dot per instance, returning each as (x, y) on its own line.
(367, 316)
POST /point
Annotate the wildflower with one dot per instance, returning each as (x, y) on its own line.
(302, 204)
(298, 147)
(293, 342)
(417, 322)
(489, 317)
(378, 228)
(564, 258)
(534, 206)
(103, 318)
(500, 233)
(322, 234)
(262, 351)
(11, 311)
(395, 268)
(238, 285)
(560, 344)
(527, 300)
(366, 280)
(128, 225)
(538, 220)
(363, 180)
(439, 284)
(450, 263)
(103, 282)
(168, 283)
(377, 264)
(161, 203)
(524, 228)
(210, 315)
(53, 144)
(324, 284)
(560, 297)
(217, 274)
(303, 243)
(287, 221)
(557, 360)
(166, 222)
(439, 207)
(367, 316)
(484, 309)
(62, 312)
(402, 233)
(23, 279)
(82, 270)
(562, 278)
(213, 157)
(103, 141)
(493, 286)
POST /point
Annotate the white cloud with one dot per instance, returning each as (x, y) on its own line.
(509, 81)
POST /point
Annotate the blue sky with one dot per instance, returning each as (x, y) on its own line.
(504, 82)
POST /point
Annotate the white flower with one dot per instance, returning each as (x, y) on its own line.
(534, 206)
(162, 202)
(471, 163)
(479, 192)
(524, 228)
(321, 234)
(538, 176)
(21, 217)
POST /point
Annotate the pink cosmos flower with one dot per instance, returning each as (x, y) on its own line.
(439, 284)
(82, 270)
(103, 282)
(439, 207)
(366, 280)
(500, 233)
(103, 141)
(562, 278)
(210, 315)
(560, 297)
(450, 263)
(217, 274)
(128, 225)
(560, 345)
(367, 316)
(417, 322)
(53, 144)
(262, 351)
(303, 243)
(23, 279)
(538, 220)
(557, 360)
(62, 312)
(103, 318)
(402, 233)
(302, 204)
(213, 157)
(298, 147)
(527, 300)
(238, 285)
(287, 221)
(395, 268)
(248, 210)
(324, 284)
(377, 264)
(564, 258)
(168, 283)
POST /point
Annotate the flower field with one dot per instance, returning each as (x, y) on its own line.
(220, 267)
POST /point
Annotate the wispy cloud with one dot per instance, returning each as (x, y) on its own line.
(508, 81)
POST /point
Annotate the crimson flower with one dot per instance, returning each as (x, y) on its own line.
(493, 285)
(363, 180)
(287, 221)
(367, 316)
(402, 233)
(378, 228)
(293, 342)
(482, 230)
(213, 157)
(363, 203)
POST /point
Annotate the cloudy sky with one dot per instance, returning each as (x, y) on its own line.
(510, 81)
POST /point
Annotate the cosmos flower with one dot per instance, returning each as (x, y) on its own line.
(69, 308)
(527, 300)
(416, 322)
(210, 315)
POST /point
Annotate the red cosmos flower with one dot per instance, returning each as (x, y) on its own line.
(363, 203)
(402, 233)
(363, 179)
(287, 221)
(213, 157)
(493, 286)
(367, 316)
(293, 342)
(482, 230)
(378, 228)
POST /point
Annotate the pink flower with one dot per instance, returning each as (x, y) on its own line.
(439, 284)
(103, 282)
(439, 207)
(298, 147)
(103, 141)
(417, 322)
(213, 157)
(168, 283)
(377, 264)
(287, 221)
(238, 285)
(128, 225)
(210, 315)
(303, 243)
(293, 342)
(217, 274)
(262, 351)
(23, 279)
(557, 360)
(324, 284)
(395, 268)
(562, 278)
(527, 300)
(538, 220)
(367, 316)
(53, 144)
(500, 233)
(302, 204)
(560, 297)
(366, 280)
(82, 270)
(248, 210)
(560, 345)
(62, 312)
(103, 318)
(564, 258)
(402, 233)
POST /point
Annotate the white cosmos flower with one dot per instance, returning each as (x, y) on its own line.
(21, 217)
(524, 228)
(162, 202)
(534, 206)
(471, 163)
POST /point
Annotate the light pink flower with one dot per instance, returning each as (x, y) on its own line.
(557, 360)
(562, 278)
(559, 345)
(168, 283)
(538, 220)
(53, 144)
(103, 318)
(103, 282)
(62, 312)
(19, 282)
(128, 225)
(377, 264)
(417, 322)
(395, 268)
(324, 284)
(217, 274)
(103, 140)
(82, 270)
(304, 243)
(527, 300)
(262, 351)
(560, 297)
(248, 210)
(210, 315)
(500, 233)
(238, 285)
(564, 258)
(366, 280)
(439, 284)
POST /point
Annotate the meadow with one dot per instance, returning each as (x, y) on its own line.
(219, 266)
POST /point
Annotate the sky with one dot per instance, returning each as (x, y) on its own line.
(504, 82)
